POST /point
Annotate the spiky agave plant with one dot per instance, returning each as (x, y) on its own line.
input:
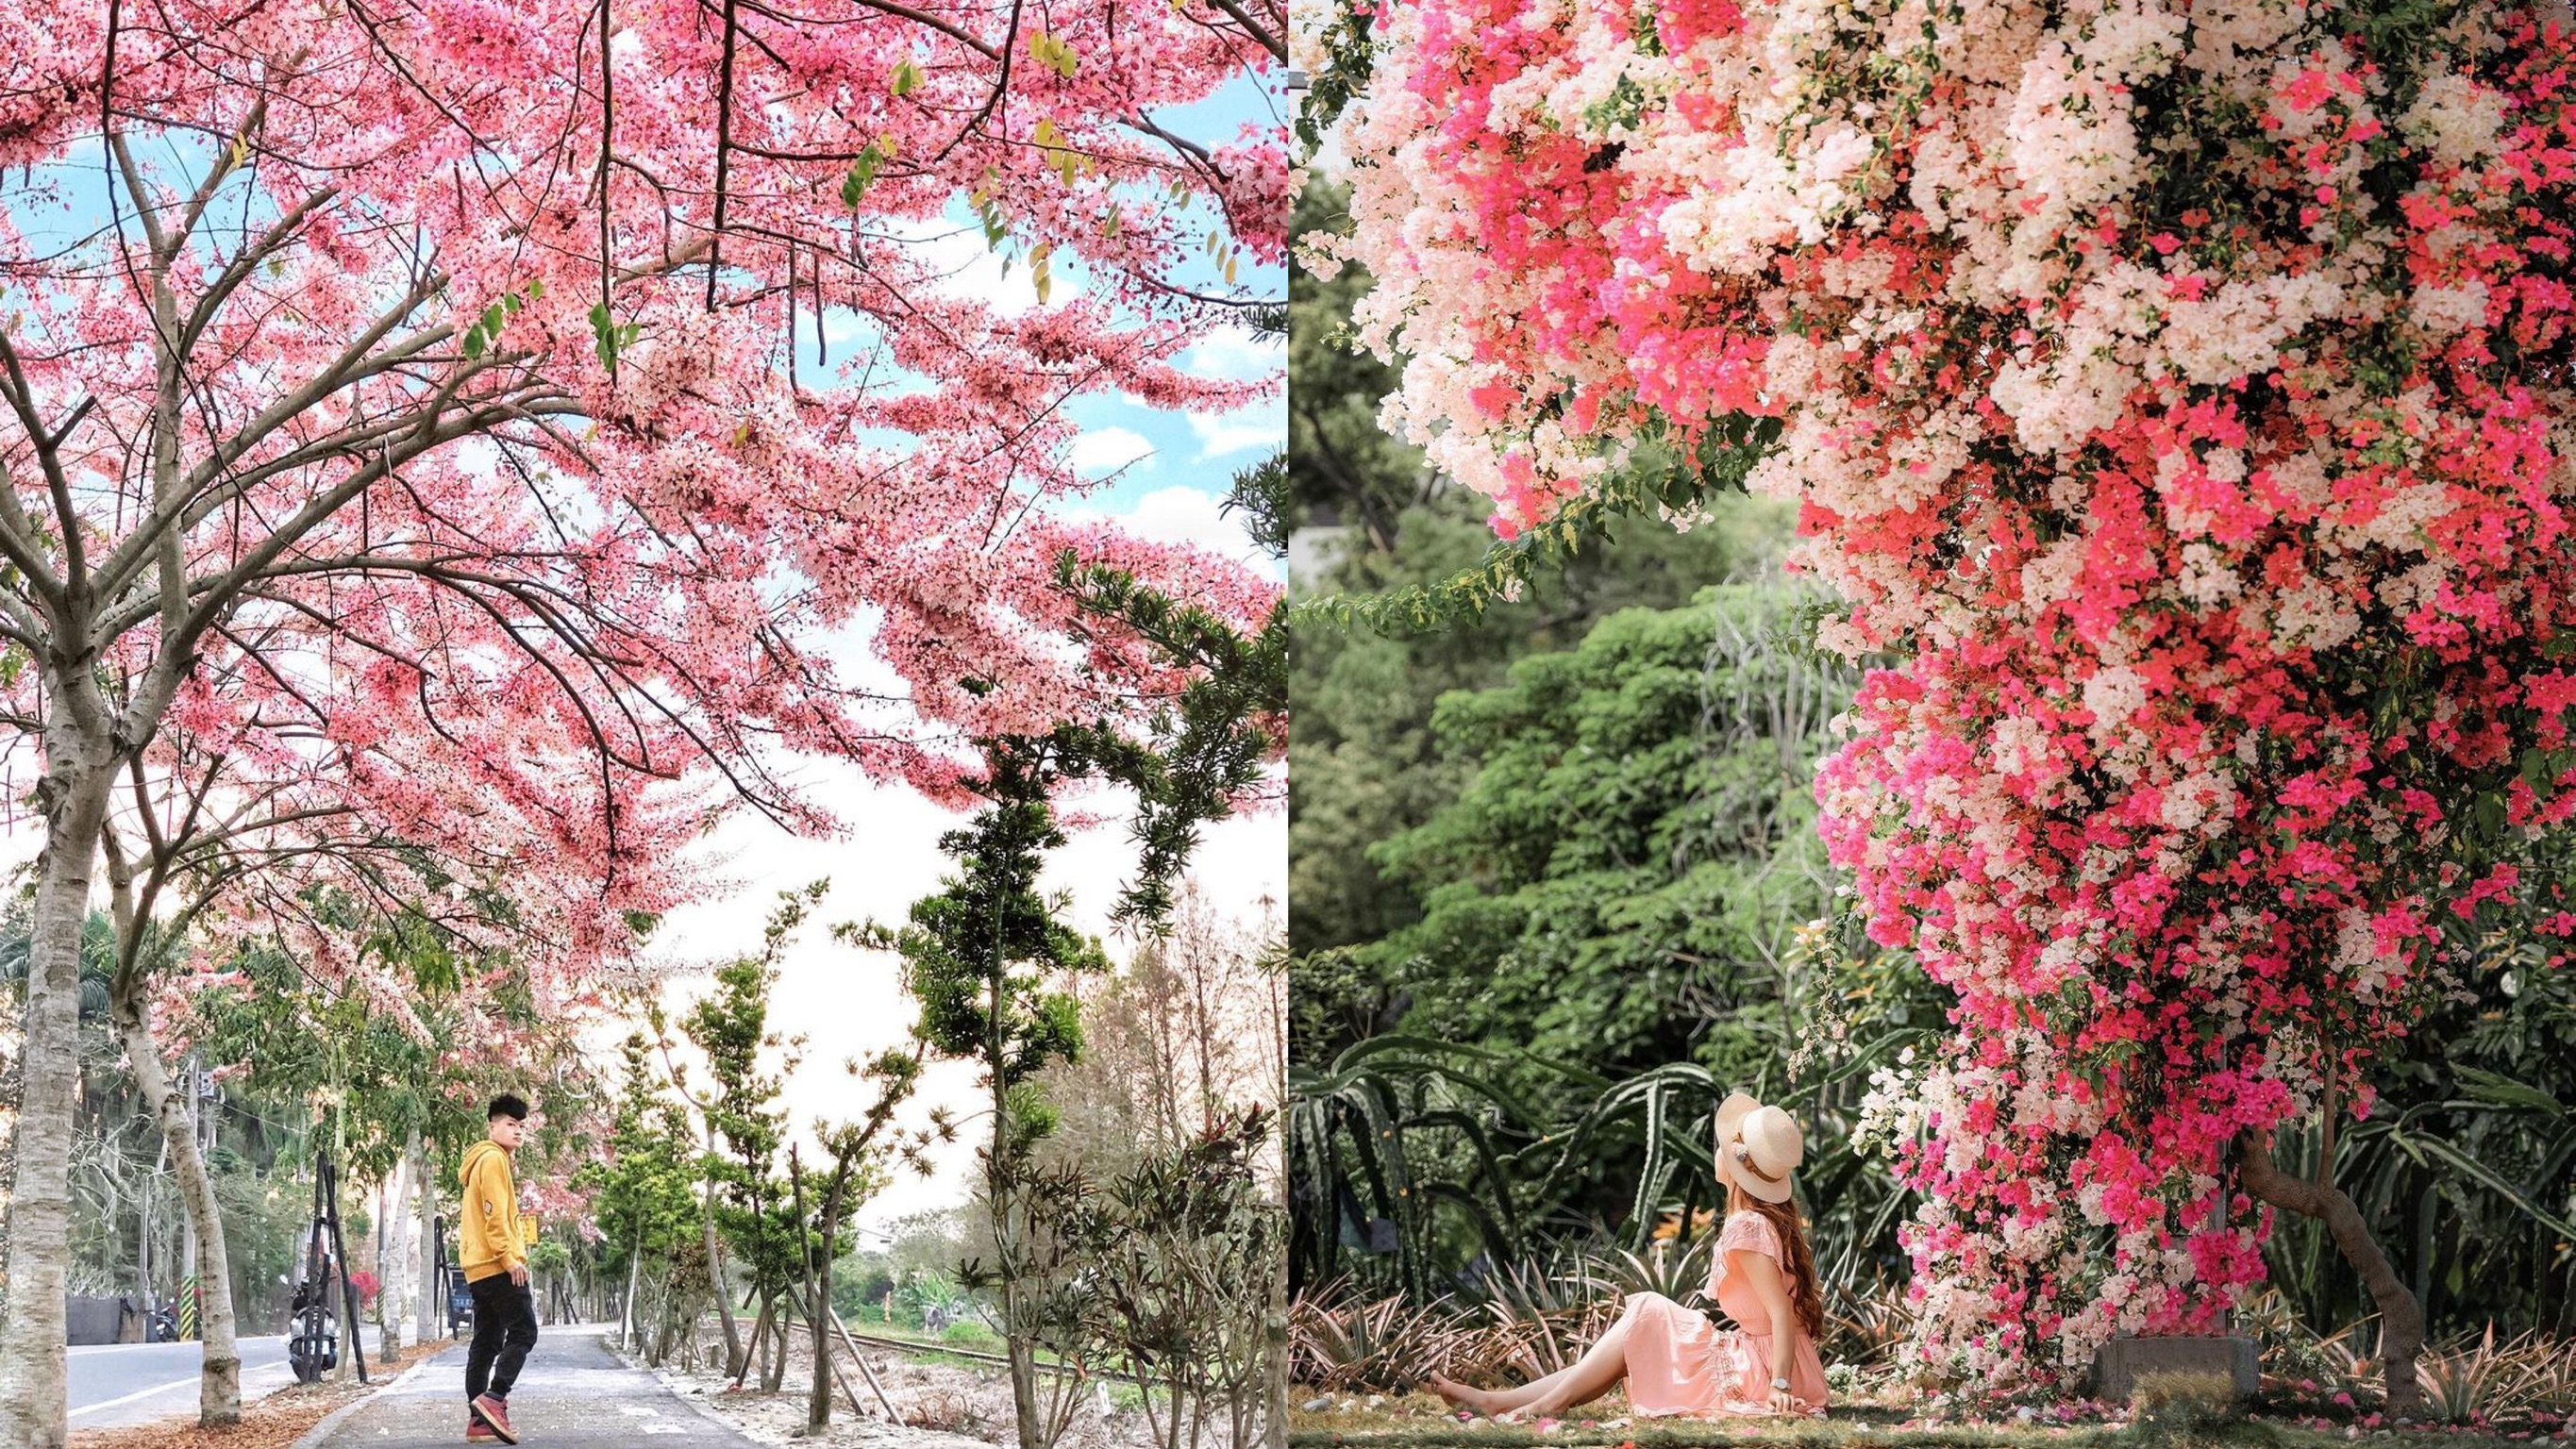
(1391, 1130)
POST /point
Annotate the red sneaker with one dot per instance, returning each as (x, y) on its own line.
(493, 1414)
(478, 1432)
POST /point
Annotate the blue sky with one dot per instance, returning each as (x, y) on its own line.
(1201, 453)
(1160, 466)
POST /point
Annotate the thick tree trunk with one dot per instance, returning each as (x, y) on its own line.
(33, 1389)
(2401, 1318)
(219, 1379)
(818, 1400)
(1024, 1385)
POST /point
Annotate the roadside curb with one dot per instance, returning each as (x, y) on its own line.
(312, 1438)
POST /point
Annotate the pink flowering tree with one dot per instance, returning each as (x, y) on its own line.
(234, 844)
(424, 405)
(2180, 396)
(450, 998)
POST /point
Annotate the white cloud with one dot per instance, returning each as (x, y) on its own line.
(1101, 451)
(972, 269)
(841, 325)
(1261, 424)
(1187, 515)
(1237, 353)
(1181, 514)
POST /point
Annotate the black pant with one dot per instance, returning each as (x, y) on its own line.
(505, 1328)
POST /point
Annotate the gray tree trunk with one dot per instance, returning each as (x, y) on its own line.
(219, 1378)
(716, 1273)
(73, 799)
(433, 1302)
(626, 1325)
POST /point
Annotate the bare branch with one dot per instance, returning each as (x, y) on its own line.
(48, 445)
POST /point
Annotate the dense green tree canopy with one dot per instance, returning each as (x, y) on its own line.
(1632, 851)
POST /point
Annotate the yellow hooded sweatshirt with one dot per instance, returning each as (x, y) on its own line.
(488, 1228)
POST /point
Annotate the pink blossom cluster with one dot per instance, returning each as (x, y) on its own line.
(520, 533)
(2179, 393)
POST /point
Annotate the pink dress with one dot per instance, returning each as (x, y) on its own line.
(1679, 1363)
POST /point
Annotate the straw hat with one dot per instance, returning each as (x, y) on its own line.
(1757, 1147)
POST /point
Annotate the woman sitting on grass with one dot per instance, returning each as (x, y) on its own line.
(1675, 1361)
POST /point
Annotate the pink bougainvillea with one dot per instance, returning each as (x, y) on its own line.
(2180, 394)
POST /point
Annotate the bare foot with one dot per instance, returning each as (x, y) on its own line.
(1527, 1414)
(1462, 1396)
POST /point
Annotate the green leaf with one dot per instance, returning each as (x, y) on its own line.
(862, 172)
(1053, 53)
(2418, 1145)
(605, 333)
(2494, 1087)
(906, 79)
(474, 342)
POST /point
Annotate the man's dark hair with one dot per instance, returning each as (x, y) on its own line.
(510, 1105)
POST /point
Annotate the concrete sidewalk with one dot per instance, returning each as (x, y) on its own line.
(573, 1394)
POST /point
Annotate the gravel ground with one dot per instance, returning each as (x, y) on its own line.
(945, 1405)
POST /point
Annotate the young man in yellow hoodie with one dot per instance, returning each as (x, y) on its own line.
(494, 1256)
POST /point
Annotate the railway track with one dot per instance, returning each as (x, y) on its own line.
(905, 1345)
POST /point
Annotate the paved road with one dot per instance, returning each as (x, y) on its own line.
(135, 1383)
(574, 1394)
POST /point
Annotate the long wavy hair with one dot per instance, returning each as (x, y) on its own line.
(1806, 1295)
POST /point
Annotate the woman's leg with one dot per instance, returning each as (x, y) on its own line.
(1586, 1379)
(1599, 1371)
(1482, 1401)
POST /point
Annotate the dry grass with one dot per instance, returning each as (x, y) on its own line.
(273, 1423)
(1349, 1347)
(945, 1403)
